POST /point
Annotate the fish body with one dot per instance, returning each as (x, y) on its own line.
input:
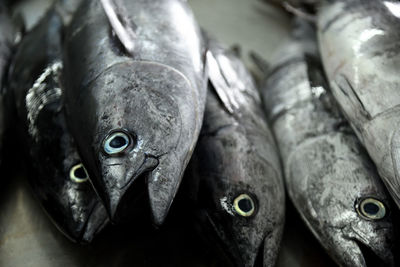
(58, 179)
(359, 43)
(135, 114)
(329, 177)
(237, 170)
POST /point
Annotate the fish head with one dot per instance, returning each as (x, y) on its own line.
(244, 205)
(88, 215)
(138, 137)
(359, 229)
(370, 237)
(62, 185)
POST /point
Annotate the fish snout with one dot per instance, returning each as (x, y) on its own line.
(372, 247)
(163, 184)
(97, 221)
(125, 185)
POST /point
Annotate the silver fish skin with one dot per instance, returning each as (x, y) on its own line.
(152, 98)
(359, 43)
(57, 177)
(329, 176)
(236, 160)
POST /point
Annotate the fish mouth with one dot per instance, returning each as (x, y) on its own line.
(259, 260)
(371, 257)
(232, 253)
(96, 222)
(131, 200)
(122, 201)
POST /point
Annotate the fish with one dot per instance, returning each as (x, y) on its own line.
(235, 173)
(329, 176)
(358, 43)
(58, 178)
(135, 96)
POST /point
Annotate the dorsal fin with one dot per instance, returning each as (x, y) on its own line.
(121, 23)
(220, 83)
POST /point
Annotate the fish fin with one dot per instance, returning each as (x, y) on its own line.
(348, 90)
(220, 83)
(121, 23)
(259, 62)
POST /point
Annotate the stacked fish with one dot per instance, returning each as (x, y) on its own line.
(119, 100)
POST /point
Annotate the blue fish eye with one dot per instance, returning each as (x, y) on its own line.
(244, 205)
(371, 209)
(78, 173)
(116, 143)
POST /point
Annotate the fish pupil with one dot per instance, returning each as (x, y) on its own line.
(371, 208)
(118, 142)
(80, 173)
(245, 205)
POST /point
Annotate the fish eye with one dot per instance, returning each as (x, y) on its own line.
(371, 209)
(244, 205)
(116, 143)
(78, 173)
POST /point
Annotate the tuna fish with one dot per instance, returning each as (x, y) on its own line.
(330, 179)
(135, 95)
(58, 178)
(236, 165)
(359, 43)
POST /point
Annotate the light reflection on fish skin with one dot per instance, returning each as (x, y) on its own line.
(363, 77)
(327, 171)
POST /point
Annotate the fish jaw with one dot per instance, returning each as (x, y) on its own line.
(97, 221)
(117, 182)
(374, 240)
(349, 247)
(271, 245)
(162, 185)
(238, 244)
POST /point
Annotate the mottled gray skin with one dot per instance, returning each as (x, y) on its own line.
(236, 154)
(156, 95)
(327, 171)
(359, 43)
(35, 80)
